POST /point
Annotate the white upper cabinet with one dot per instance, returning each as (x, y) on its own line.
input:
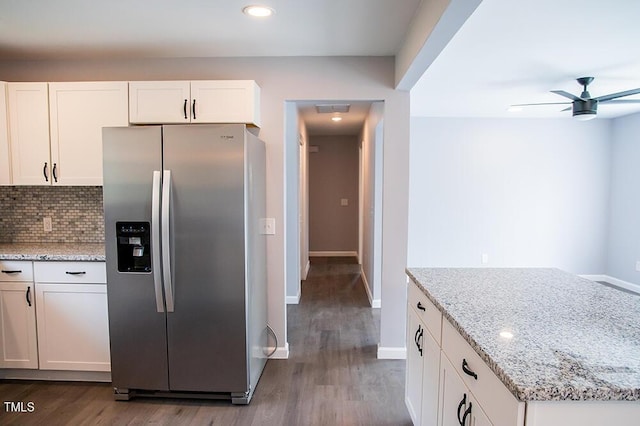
(225, 101)
(56, 130)
(216, 101)
(29, 132)
(79, 111)
(5, 158)
(156, 102)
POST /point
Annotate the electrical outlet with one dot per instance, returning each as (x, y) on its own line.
(638, 265)
(485, 258)
(344, 202)
(48, 227)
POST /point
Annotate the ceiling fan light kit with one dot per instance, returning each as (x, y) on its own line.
(585, 107)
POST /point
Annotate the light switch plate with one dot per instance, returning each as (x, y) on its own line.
(268, 226)
(344, 201)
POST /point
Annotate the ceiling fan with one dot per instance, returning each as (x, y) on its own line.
(585, 107)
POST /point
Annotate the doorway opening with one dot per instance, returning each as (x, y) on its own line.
(341, 220)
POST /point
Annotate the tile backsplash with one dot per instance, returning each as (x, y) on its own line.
(75, 211)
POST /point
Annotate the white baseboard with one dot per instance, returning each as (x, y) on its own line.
(56, 375)
(293, 300)
(333, 254)
(306, 270)
(392, 352)
(614, 281)
(374, 303)
(281, 352)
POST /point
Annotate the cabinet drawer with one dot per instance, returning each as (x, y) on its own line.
(496, 400)
(427, 311)
(70, 272)
(16, 270)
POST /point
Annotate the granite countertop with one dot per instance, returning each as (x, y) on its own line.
(52, 251)
(573, 339)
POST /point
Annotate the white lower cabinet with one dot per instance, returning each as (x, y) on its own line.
(447, 384)
(72, 317)
(423, 359)
(18, 342)
(457, 405)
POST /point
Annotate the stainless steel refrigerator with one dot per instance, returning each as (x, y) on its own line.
(186, 268)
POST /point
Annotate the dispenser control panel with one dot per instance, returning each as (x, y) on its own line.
(134, 246)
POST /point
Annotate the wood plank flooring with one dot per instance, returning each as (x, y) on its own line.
(332, 376)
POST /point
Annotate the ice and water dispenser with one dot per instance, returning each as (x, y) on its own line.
(134, 246)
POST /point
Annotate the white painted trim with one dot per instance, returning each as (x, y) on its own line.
(392, 353)
(306, 269)
(614, 281)
(333, 254)
(56, 375)
(293, 300)
(282, 352)
(374, 303)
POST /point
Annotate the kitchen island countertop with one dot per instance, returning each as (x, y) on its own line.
(563, 337)
(52, 251)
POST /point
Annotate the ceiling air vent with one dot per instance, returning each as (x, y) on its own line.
(332, 108)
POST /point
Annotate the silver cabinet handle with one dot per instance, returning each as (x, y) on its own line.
(166, 241)
(155, 240)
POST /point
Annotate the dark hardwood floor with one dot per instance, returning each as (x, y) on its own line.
(332, 376)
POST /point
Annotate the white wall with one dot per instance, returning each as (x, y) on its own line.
(624, 228)
(304, 198)
(288, 79)
(371, 152)
(528, 192)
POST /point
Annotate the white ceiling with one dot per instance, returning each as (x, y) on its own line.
(511, 52)
(507, 52)
(321, 124)
(43, 29)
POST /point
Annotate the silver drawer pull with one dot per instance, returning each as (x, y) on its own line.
(75, 273)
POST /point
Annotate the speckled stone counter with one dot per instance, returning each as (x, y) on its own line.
(572, 339)
(52, 251)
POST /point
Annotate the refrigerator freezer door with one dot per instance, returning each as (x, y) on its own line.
(207, 330)
(137, 330)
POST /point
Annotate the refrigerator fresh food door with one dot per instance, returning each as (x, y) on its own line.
(137, 318)
(207, 328)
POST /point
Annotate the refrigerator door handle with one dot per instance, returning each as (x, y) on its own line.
(155, 240)
(166, 239)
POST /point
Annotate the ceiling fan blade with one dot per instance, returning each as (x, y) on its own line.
(607, 98)
(567, 95)
(623, 101)
(544, 103)
(566, 109)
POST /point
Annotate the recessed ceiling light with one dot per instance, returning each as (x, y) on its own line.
(336, 118)
(258, 11)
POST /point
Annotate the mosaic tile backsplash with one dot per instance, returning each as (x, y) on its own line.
(75, 211)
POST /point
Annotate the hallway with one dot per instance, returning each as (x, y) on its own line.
(332, 376)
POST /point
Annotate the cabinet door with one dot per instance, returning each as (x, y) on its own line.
(18, 344)
(225, 101)
(478, 416)
(5, 160)
(430, 380)
(78, 113)
(454, 396)
(413, 384)
(73, 330)
(29, 130)
(159, 102)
